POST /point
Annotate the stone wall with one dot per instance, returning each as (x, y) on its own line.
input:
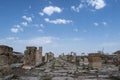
(5, 59)
(30, 56)
(117, 58)
(72, 57)
(6, 55)
(6, 50)
(95, 60)
(49, 56)
(69, 58)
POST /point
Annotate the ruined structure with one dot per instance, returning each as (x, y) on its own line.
(39, 56)
(30, 56)
(46, 57)
(117, 58)
(73, 56)
(69, 58)
(86, 62)
(49, 56)
(95, 60)
(5, 55)
(18, 57)
(83, 61)
(6, 59)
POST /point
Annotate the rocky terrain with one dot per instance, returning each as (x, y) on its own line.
(34, 66)
(56, 69)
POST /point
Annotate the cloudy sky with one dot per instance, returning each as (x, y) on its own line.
(61, 25)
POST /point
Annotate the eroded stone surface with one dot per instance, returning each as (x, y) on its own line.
(61, 68)
(95, 60)
(30, 55)
(6, 59)
(39, 56)
(6, 55)
(49, 56)
(5, 50)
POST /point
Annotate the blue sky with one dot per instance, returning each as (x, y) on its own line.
(61, 25)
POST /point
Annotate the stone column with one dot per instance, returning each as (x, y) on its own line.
(46, 57)
(39, 56)
(30, 56)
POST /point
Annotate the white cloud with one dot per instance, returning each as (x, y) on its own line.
(41, 40)
(41, 13)
(41, 25)
(110, 44)
(34, 41)
(104, 23)
(45, 41)
(76, 30)
(40, 30)
(58, 21)
(24, 24)
(49, 10)
(96, 24)
(50, 2)
(77, 9)
(77, 39)
(11, 38)
(16, 28)
(30, 7)
(29, 19)
(46, 19)
(98, 4)
(35, 25)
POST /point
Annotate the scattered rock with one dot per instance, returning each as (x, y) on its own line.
(28, 67)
